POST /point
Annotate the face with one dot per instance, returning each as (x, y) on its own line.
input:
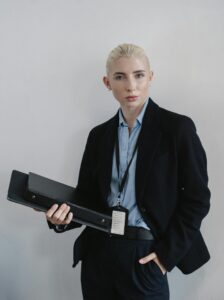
(129, 79)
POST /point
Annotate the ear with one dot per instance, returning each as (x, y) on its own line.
(106, 82)
(151, 75)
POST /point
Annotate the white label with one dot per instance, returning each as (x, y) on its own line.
(118, 222)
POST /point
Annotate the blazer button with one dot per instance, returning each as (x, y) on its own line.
(143, 209)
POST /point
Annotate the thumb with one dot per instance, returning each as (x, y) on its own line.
(147, 258)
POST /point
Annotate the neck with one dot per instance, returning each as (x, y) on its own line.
(131, 115)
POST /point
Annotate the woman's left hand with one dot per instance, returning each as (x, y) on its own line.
(153, 256)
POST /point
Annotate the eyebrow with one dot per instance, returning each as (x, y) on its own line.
(122, 73)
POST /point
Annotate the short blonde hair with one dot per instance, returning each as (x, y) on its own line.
(126, 50)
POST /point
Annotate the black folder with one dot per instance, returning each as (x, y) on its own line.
(41, 193)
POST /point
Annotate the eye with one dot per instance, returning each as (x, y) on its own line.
(139, 75)
(118, 77)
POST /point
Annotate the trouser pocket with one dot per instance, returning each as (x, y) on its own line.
(148, 275)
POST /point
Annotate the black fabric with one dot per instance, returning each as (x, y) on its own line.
(171, 183)
(110, 270)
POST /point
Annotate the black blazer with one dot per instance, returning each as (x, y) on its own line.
(171, 184)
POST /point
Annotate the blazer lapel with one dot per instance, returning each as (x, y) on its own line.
(107, 148)
(149, 139)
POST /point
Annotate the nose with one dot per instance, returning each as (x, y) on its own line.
(130, 85)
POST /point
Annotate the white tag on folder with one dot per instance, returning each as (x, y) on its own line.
(118, 222)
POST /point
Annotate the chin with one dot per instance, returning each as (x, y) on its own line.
(135, 103)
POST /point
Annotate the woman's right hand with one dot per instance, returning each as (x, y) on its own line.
(59, 215)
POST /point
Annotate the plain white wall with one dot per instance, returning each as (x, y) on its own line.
(52, 60)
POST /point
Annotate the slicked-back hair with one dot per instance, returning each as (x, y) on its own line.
(125, 50)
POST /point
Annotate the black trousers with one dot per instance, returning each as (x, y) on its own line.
(111, 271)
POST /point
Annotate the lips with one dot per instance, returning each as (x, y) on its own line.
(132, 97)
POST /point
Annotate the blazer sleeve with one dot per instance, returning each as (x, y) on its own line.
(193, 197)
(84, 186)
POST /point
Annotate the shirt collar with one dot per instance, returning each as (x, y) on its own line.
(139, 118)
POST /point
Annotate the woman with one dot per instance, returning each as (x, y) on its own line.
(148, 163)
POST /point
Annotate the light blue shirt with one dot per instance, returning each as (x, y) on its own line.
(126, 147)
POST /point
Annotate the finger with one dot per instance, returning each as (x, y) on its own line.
(160, 265)
(163, 270)
(51, 211)
(54, 210)
(147, 258)
(62, 217)
(56, 216)
(69, 218)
